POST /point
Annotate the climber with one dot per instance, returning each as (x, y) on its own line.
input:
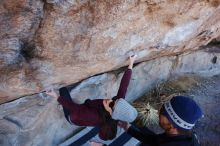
(177, 117)
(102, 113)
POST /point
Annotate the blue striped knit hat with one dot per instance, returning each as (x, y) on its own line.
(183, 112)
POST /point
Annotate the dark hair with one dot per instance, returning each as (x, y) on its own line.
(108, 129)
(111, 105)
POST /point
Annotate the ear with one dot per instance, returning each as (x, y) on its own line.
(170, 127)
(106, 105)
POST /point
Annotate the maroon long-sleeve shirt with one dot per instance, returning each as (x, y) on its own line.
(87, 114)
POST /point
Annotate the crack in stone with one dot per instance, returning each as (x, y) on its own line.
(13, 121)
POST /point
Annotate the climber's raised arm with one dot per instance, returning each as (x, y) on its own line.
(125, 79)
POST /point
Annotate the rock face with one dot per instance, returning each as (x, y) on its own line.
(60, 42)
(147, 75)
(57, 42)
(32, 120)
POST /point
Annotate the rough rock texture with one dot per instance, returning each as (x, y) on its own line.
(60, 42)
(32, 120)
(147, 75)
(64, 41)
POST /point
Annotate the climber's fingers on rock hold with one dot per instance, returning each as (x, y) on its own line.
(51, 92)
(132, 58)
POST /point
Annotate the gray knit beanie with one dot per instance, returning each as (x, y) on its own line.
(124, 111)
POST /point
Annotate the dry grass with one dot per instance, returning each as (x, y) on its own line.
(149, 105)
(147, 115)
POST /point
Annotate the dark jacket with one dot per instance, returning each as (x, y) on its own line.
(87, 114)
(148, 138)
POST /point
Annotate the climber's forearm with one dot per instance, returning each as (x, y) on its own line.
(124, 84)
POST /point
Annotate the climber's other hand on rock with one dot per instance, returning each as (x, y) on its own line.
(52, 93)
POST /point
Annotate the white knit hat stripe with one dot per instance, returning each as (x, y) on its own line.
(176, 119)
